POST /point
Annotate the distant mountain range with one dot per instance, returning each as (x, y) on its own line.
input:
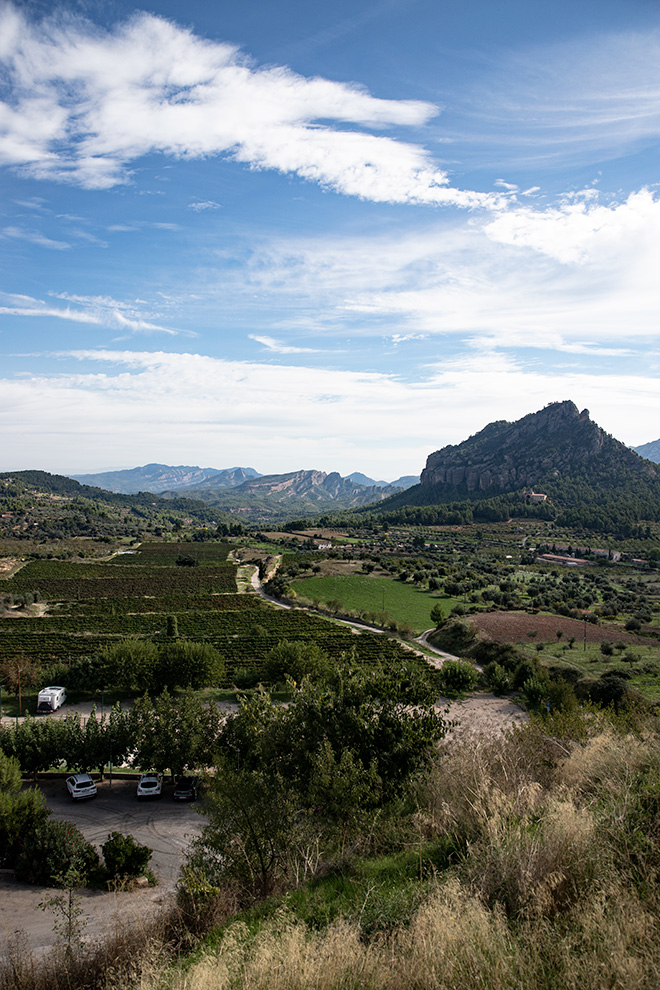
(282, 497)
(159, 477)
(245, 492)
(407, 481)
(649, 450)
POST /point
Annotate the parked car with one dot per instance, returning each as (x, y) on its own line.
(50, 699)
(186, 789)
(80, 785)
(150, 785)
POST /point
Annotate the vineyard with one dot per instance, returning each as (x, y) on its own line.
(90, 606)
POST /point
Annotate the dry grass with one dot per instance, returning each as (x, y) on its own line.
(454, 943)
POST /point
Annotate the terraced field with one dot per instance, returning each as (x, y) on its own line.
(88, 606)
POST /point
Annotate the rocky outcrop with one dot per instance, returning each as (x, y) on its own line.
(554, 442)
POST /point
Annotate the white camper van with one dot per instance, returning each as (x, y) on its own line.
(50, 699)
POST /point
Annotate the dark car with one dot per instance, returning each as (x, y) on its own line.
(186, 789)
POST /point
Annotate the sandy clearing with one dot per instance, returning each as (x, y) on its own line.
(482, 715)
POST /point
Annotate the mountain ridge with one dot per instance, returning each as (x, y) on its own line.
(651, 451)
(285, 496)
(155, 477)
(589, 478)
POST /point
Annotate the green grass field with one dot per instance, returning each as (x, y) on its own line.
(364, 593)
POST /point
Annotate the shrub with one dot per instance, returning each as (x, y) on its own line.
(124, 857)
(535, 691)
(497, 678)
(51, 850)
(20, 810)
(504, 654)
(456, 677)
(523, 672)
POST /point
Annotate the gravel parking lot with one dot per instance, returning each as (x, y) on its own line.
(166, 826)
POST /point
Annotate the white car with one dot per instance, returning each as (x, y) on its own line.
(150, 785)
(80, 785)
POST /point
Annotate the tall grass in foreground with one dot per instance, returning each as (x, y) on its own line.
(552, 883)
(556, 887)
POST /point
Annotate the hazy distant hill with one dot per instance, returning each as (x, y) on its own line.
(161, 477)
(405, 482)
(649, 450)
(278, 497)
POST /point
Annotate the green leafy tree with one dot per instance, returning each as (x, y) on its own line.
(21, 811)
(294, 782)
(296, 660)
(248, 840)
(36, 743)
(130, 664)
(173, 735)
(182, 663)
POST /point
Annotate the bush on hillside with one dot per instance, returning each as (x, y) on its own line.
(124, 856)
(53, 848)
(456, 677)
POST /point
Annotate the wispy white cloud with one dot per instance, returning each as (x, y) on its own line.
(203, 205)
(93, 310)
(593, 96)
(83, 104)
(580, 275)
(277, 347)
(34, 237)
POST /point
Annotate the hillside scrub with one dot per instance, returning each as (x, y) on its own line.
(530, 860)
(556, 885)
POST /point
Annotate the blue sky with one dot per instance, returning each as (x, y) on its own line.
(336, 236)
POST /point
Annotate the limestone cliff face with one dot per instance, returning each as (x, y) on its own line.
(555, 441)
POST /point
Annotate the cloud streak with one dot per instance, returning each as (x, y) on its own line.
(81, 105)
(94, 311)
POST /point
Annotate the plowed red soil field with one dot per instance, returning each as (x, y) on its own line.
(513, 627)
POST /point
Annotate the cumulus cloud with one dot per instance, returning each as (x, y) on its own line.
(580, 229)
(82, 104)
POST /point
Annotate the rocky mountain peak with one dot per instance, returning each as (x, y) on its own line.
(555, 441)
